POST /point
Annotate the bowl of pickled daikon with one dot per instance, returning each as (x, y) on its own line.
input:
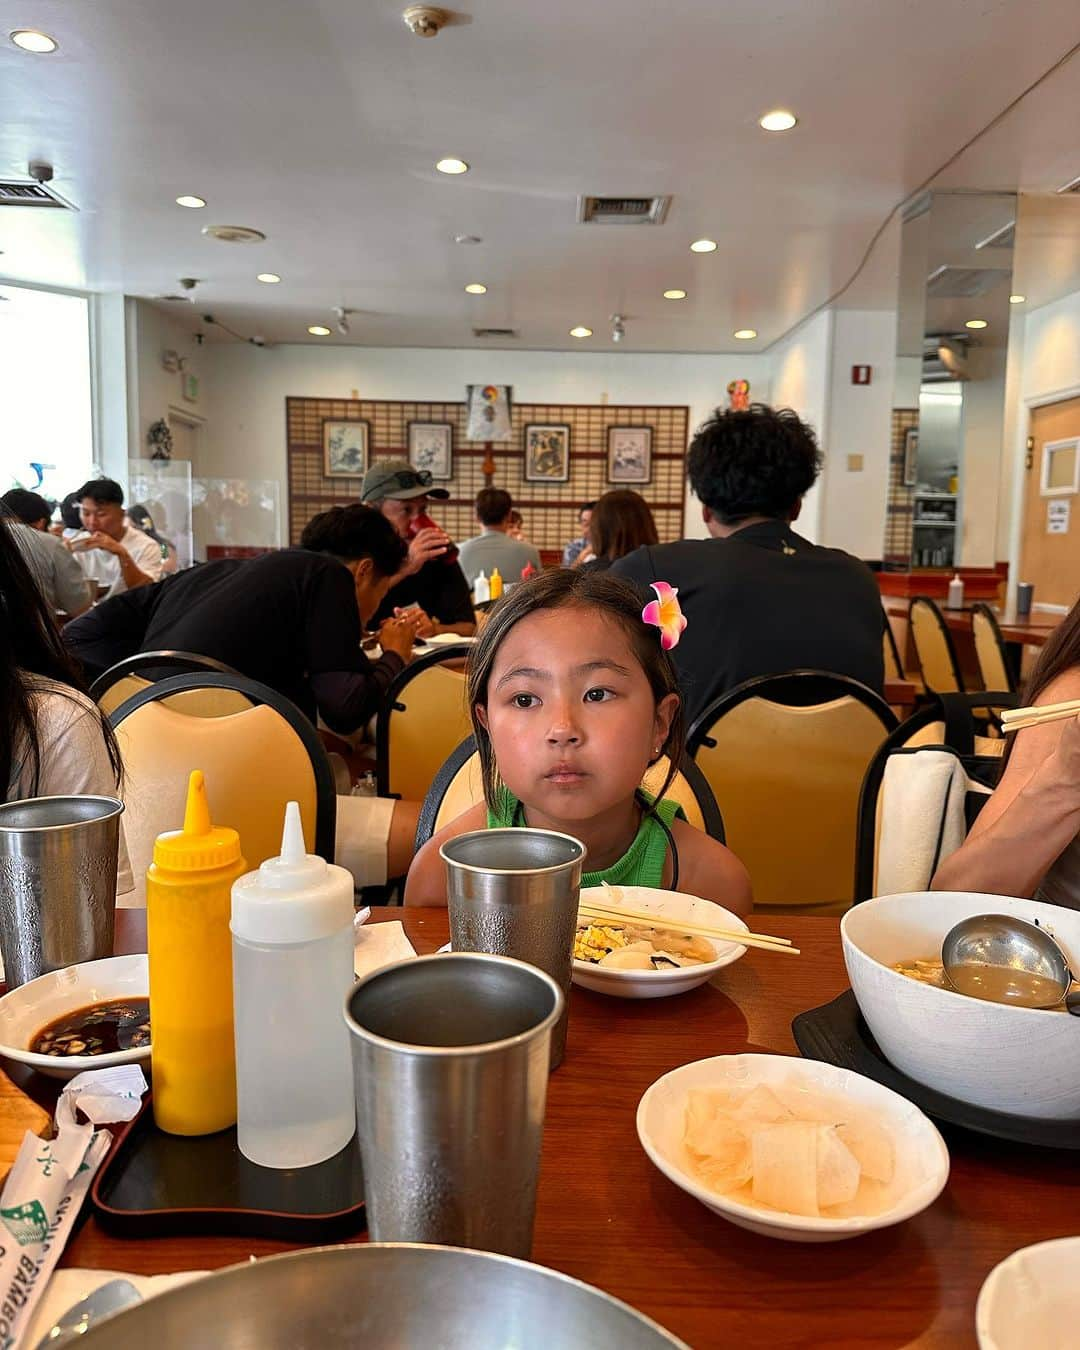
(1001, 1056)
(651, 958)
(792, 1148)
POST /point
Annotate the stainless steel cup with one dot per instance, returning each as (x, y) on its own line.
(450, 1060)
(1025, 591)
(57, 883)
(515, 893)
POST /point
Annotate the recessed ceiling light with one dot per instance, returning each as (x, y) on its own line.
(452, 165)
(318, 330)
(30, 40)
(675, 295)
(975, 323)
(193, 202)
(476, 288)
(777, 120)
(581, 331)
(271, 278)
(1017, 299)
(745, 334)
(703, 246)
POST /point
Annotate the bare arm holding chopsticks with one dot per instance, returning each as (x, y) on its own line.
(1034, 813)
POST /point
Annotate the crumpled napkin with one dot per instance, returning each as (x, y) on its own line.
(379, 944)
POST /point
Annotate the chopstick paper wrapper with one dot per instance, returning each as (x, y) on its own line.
(48, 1183)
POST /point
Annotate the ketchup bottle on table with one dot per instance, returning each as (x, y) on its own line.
(424, 522)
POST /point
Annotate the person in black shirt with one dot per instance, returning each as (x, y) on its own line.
(430, 581)
(290, 619)
(759, 599)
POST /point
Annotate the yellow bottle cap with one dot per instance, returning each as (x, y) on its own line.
(199, 846)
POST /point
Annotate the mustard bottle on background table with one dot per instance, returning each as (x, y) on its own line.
(496, 583)
(188, 904)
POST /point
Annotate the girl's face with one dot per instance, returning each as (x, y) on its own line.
(571, 714)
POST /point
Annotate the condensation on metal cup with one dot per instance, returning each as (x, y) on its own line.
(57, 883)
(515, 893)
(450, 1061)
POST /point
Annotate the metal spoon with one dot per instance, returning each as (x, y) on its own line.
(102, 1302)
(1009, 944)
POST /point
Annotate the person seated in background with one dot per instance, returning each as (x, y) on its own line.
(493, 547)
(59, 577)
(53, 741)
(516, 528)
(761, 600)
(429, 583)
(290, 619)
(621, 522)
(70, 522)
(141, 518)
(111, 552)
(1026, 839)
(578, 546)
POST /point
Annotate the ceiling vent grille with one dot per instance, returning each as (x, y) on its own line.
(1005, 237)
(494, 332)
(622, 210)
(18, 192)
(964, 283)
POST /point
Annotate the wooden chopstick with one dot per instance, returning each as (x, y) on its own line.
(1016, 719)
(763, 941)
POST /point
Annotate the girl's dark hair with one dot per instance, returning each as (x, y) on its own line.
(615, 598)
(30, 645)
(621, 522)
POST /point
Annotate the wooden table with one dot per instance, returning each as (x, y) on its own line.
(607, 1216)
(1030, 630)
(901, 693)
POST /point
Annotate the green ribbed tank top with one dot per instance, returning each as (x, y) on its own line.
(641, 865)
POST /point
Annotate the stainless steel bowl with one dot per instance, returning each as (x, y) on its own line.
(390, 1296)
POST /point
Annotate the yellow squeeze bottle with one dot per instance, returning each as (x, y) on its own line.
(496, 583)
(188, 905)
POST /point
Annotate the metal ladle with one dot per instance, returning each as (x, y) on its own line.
(1009, 944)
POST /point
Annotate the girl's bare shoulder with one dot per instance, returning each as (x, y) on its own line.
(710, 870)
(426, 882)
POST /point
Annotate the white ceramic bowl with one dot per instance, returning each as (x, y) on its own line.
(1032, 1299)
(670, 907)
(27, 1009)
(922, 1160)
(1024, 1061)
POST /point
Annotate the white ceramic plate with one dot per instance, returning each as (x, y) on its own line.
(1032, 1299)
(27, 1009)
(922, 1160)
(669, 907)
(448, 640)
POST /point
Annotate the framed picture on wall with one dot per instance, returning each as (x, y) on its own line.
(629, 454)
(547, 452)
(431, 447)
(911, 457)
(345, 449)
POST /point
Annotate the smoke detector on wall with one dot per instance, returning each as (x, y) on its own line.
(425, 20)
(234, 234)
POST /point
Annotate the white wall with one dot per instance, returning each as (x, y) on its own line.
(802, 374)
(1052, 350)
(980, 474)
(245, 435)
(153, 389)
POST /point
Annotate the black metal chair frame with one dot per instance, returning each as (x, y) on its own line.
(429, 811)
(325, 794)
(798, 689)
(950, 646)
(183, 662)
(984, 609)
(890, 637)
(957, 712)
(391, 704)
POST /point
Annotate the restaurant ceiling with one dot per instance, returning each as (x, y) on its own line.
(320, 125)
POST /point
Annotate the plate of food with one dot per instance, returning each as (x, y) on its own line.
(792, 1148)
(640, 958)
(90, 1016)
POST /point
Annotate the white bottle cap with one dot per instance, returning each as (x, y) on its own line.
(296, 897)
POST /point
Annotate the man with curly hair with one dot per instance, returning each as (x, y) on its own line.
(760, 599)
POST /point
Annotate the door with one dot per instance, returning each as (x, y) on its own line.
(1051, 562)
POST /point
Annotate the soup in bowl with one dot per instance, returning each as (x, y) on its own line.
(1024, 1061)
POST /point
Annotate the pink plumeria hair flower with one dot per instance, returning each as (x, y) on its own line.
(666, 614)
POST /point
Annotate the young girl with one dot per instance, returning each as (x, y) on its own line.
(572, 697)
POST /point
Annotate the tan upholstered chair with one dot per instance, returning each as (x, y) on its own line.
(990, 650)
(785, 756)
(254, 760)
(459, 785)
(424, 715)
(894, 667)
(934, 647)
(123, 680)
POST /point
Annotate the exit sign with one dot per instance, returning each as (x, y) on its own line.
(861, 374)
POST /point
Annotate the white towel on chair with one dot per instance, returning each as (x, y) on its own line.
(921, 818)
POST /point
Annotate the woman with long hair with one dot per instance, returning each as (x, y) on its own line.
(621, 522)
(1026, 840)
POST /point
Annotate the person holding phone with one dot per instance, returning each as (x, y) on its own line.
(430, 579)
